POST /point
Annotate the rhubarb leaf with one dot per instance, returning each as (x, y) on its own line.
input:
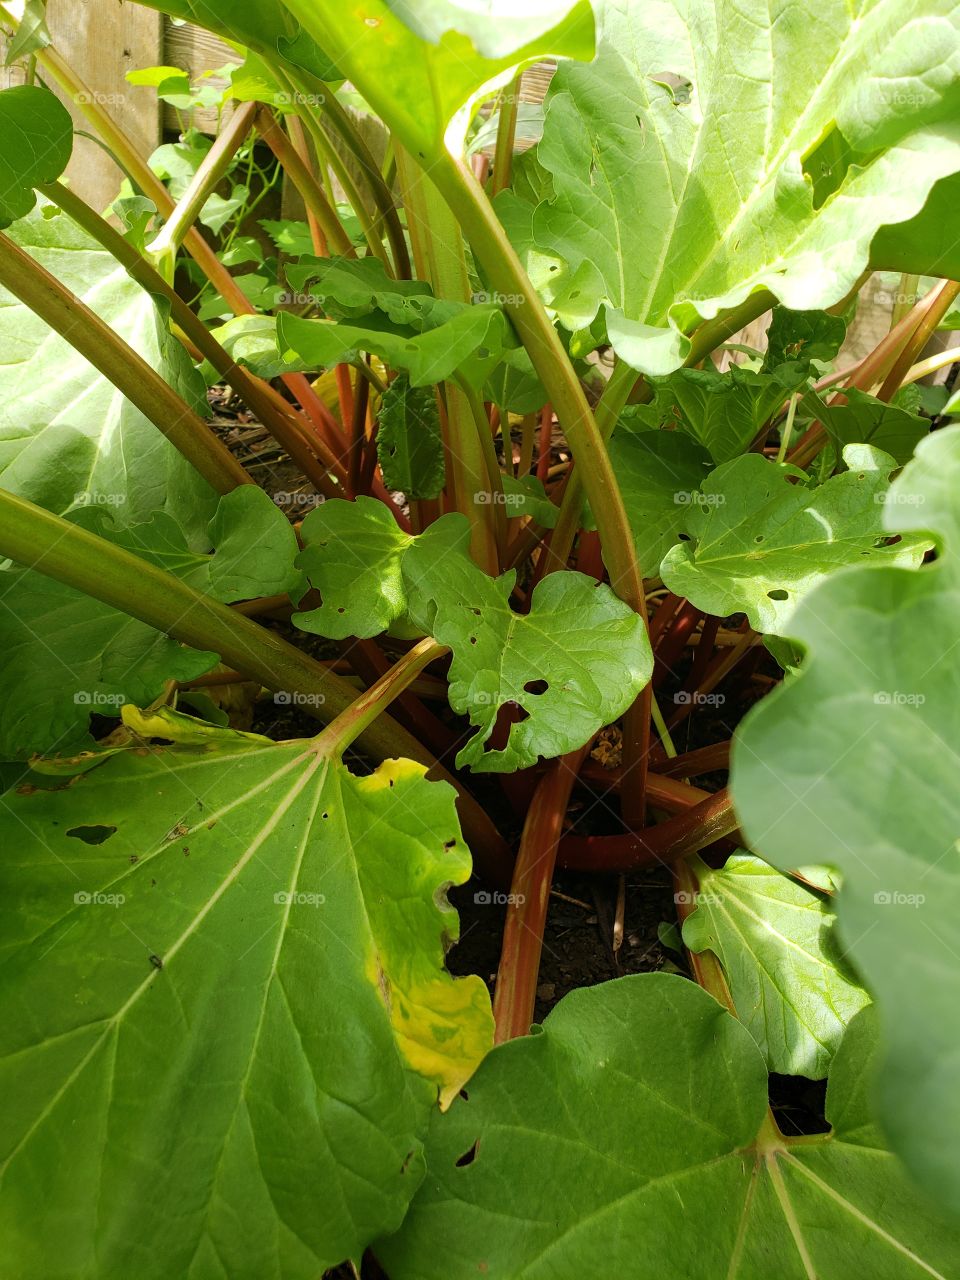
(855, 759)
(574, 663)
(409, 443)
(793, 990)
(68, 437)
(68, 656)
(626, 1130)
(422, 67)
(352, 553)
(708, 153)
(865, 419)
(763, 536)
(223, 960)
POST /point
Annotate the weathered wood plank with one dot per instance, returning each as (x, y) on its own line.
(195, 51)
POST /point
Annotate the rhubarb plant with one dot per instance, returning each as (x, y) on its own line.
(460, 553)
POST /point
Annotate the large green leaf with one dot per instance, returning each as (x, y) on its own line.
(763, 536)
(574, 663)
(67, 655)
(37, 136)
(864, 418)
(422, 67)
(225, 1011)
(787, 975)
(68, 437)
(352, 553)
(855, 763)
(678, 159)
(723, 411)
(927, 244)
(264, 25)
(660, 473)
(409, 442)
(467, 341)
(625, 1132)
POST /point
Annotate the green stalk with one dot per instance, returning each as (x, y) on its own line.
(436, 235)
(128, 371)
(205, 181)
(132, 163)
(328, 154)
(611, 404)
(506, 273)
(506, 136)
(906, 297)
(342, 123)
(292, 432)
(53, 546)
(269, 128)
(363, 711)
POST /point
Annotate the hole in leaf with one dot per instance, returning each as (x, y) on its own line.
(779, 594)
(473, 639)
(449, 844)
(92, 835)
(536, 686)
(464, 1095)
(468, 1157)
(758, 538)
(683, 537)
(679, 87)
